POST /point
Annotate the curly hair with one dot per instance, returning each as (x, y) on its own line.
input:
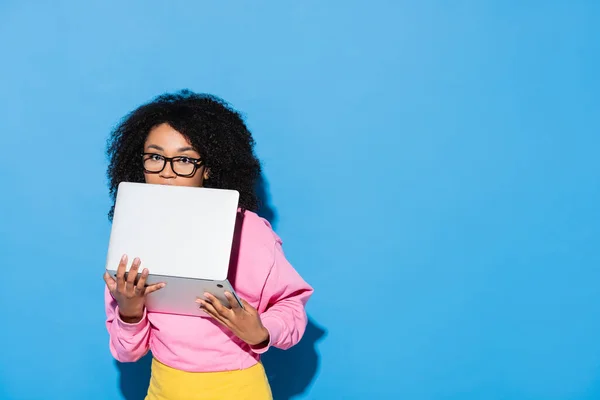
(212, 126)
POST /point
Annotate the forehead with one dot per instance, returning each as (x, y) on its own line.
(166, 137)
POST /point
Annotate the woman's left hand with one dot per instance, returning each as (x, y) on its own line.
(244, 322)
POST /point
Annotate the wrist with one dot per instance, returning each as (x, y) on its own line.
(130, 320)
(131, 317)
(263, 340)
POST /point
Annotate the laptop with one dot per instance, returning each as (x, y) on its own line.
(183, 235)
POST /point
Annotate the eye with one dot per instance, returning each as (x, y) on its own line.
(185, 160)
(155, 157)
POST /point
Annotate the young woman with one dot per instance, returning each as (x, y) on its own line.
(190, 139)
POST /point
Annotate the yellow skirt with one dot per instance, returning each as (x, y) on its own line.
(168, 383)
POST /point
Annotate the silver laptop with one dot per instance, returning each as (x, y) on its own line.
(183, 235)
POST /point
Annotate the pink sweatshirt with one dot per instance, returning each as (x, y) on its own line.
(261, 275)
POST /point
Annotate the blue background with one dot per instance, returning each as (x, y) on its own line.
(432, 168)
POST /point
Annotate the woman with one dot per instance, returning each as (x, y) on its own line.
(189, 139)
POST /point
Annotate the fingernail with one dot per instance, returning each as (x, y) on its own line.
(123, 257)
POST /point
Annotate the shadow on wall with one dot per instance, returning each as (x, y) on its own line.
(134, 378)
(264, 198)
(290, 372)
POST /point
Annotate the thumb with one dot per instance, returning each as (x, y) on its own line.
(110, 282)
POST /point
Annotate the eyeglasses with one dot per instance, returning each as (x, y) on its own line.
(181, 165)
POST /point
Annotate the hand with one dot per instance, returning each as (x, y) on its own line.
(130, 296)
(244, 322)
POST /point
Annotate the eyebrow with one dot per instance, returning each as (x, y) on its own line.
(188, 148)
(180, 150)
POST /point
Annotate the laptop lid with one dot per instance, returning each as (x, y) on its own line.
(175, 230)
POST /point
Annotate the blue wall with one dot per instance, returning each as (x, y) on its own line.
(432, 166)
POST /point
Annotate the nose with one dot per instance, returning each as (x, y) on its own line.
(167, 172)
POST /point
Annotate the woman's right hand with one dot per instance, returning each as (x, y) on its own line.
(130, 296)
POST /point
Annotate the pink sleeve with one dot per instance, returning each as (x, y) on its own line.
(286, 294)
(128, 342)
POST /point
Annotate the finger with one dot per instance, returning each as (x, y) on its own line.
(132, 274)
(248, 307)
(142, 281)
(154, 288)
(111, 284)
(121, 272)
(210, 310)
(233, 303)
(218, 306)
(213, 316)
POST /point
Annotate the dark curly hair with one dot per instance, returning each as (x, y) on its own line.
(213, 128)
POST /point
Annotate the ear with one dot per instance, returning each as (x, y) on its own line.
(206, 173)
